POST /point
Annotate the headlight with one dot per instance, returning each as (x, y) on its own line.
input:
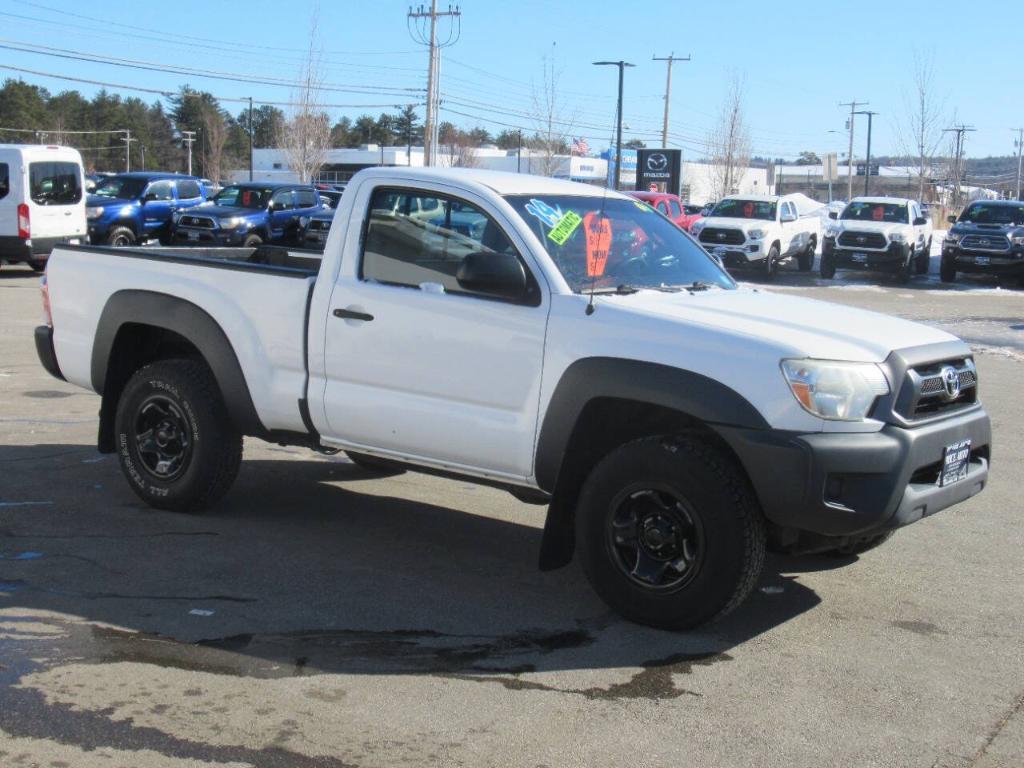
(755, 234)
(835, 390)
(831, 231)
(953, 238)
(94, 213)
(175, 217)
(1018, 239)
(897, 237)
(232, 222)
(696, 227)
(304, 221)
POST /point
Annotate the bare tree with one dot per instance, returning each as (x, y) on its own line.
(919, 134)
(729, 143)
(305, 135)
(554, 125)
(215, 136)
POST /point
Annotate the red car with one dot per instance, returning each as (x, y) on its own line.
(671, 206)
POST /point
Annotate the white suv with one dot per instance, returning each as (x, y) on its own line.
(886, 234)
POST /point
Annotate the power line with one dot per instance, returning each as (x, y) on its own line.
(419, 18)
(849, 160)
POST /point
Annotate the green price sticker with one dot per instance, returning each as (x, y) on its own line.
(565, 227)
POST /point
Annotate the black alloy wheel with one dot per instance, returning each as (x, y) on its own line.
(163, 437)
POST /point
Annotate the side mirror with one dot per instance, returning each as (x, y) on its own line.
(496, 274)
(951, 219)
(833, 215)
(270, 205)
(149, 197)
(920, 221)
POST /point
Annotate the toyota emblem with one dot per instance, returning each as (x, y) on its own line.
(861, 239)
(951, 382)
(721, 235)
(984, 241)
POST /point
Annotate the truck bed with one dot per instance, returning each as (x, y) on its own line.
(259, 297)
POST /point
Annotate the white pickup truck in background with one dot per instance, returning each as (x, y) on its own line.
(563, 342)
(886, 234)
(762, 231)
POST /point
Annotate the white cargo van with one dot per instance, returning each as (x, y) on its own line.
(42, 201)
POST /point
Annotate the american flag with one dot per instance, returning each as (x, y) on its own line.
(580, 146)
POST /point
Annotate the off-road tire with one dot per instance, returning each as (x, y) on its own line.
(861, 546)
(827, 268)
(715, 494)
(922, 261)
(252, 241)
(947, 271)
(374, 464)
(120, 237)
(216, 445)
(805, 261)
(906, 269)
(770, 267)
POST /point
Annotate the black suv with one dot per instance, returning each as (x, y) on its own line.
(988, 237)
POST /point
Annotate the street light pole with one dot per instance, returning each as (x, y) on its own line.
(618, 122)
(867, 162)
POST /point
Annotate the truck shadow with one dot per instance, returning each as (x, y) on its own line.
(314, 566)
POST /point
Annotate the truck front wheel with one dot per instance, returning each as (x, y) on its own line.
(121, 237)
(828, 266)
(947, 270)
(806, 259)
(670, 534)
(770, 266)
(175, 440)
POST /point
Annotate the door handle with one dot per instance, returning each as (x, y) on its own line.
(351, 314)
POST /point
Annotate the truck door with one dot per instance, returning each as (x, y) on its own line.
(419, 366)
(157, 205)
(790, 238)
(188, 194)
(283, 216)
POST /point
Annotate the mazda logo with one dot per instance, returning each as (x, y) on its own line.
(951, 382)
(657, 162)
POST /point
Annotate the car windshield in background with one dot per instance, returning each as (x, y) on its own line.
(987, 213)
(745, 209)
(891, 212)
(125, 189)
(605, 243)
(243, 197)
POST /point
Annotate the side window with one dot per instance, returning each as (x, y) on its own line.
(54, 183)
(674, 208)
(306, 198)
(161, 190)
(662, 208)
(188, 190)
(282, 200)
(5, 180)
(419, 237)
(788, 210)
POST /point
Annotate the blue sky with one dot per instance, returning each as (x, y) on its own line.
(797, 60)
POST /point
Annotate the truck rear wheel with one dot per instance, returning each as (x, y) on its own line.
(670, 534)
(176, 443)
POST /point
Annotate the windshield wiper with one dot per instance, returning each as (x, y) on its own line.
(700, 285)
(619, 290)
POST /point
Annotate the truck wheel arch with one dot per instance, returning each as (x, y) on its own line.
(652, 398)
(130, 318)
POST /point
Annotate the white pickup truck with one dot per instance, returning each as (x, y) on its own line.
(563, 342)
(760, 232)
(886, 234)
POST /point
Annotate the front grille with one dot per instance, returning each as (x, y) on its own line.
(196, 221)
(994, 243)
(874, 240)
(720, 236)
(937, 388)
(319, 224)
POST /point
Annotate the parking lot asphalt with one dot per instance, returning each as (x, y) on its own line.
(322, 616)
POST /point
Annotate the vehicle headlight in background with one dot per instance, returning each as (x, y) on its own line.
(94, 213)
(755, 234)
(696, 227)
(833, 389)
(897, 237)
(232, 222)
(953, 238)
(1018, 239)
(304, 221)
(831, 231)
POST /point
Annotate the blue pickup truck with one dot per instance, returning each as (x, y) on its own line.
(249, 214)
(131, 208)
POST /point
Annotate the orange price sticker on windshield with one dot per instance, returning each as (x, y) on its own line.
(599, 242)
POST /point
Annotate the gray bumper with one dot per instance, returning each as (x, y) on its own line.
(850, 484)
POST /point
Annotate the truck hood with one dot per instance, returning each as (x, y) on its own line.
(885, 227)
(796, 326)
(223, 211)
(744, 224)
(969, 228)
(95, 201)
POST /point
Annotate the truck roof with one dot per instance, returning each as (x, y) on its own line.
(501, 182)
(880, 200)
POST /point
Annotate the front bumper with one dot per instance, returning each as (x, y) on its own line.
(192, 235)
(737, 256)
(851, 484)
(1010, 263)
(47, 354)
(891, 259)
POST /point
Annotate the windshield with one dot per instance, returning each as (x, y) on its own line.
(745, 209)
(987, 213)
(125, 188)
(243, 197)
(891, 212)
(606, 243)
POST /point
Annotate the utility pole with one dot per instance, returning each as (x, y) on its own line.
(867, 161)
(959, 130)
(421, 16)
(1020, 146)
(849, 160)
(519, 155)
(250, 139)
(188, 138)
(671, 58)
(618, 120)
(127, 139)
(143, 148)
